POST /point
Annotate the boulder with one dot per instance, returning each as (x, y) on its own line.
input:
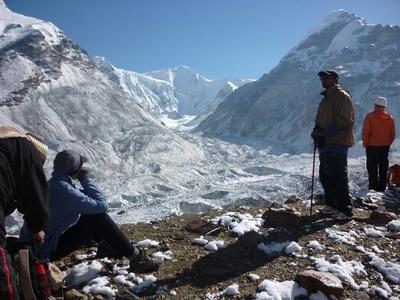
(200, 226)
(325, 282)
(293, 200)
(381, 217)
(280, 218)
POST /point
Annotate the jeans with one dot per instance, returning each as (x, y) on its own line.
(377, 167)
(92, 227)
(334, 180)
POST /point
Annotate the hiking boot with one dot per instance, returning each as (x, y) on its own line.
(341, 216)
(143, 263)
(328, 210)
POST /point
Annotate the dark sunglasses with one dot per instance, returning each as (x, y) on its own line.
(325, 77)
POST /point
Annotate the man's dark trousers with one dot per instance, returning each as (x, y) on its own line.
(334, 180)
(377, 167)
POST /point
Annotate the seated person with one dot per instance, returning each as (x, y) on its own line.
(78, 216)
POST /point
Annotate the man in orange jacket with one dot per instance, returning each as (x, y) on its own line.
(378, 134)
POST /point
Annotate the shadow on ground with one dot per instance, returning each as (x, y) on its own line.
(243, 256)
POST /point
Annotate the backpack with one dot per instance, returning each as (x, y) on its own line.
(393, 176)
(31, 271)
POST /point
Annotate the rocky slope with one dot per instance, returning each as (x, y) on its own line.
(196, 273)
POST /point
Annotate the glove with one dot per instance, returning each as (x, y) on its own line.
(84, 174)
(319, 142)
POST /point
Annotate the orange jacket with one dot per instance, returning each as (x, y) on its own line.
(379, 128)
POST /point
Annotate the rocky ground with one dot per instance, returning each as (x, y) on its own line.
(194, 271)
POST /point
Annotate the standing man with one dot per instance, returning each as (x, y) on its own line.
(23, 186)
(334, 134)
(378, 134)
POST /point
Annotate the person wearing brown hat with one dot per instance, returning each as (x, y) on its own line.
(334, 134)
(378, 134)
(79, 216)
(23, 186)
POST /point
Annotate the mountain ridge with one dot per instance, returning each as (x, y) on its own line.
(290, 92)
(50, 86)
(146, 168)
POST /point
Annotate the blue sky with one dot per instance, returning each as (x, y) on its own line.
(215, 38)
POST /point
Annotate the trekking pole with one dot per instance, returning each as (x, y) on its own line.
(312, 177)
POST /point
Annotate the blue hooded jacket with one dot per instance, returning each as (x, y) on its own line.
(67, 203)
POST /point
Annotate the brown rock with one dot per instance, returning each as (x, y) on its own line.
(325, 282)
(74, 295)
(200, 226)
(381, 217)
(280, 218)
(293, 200)
(361, 296)
(250, 239)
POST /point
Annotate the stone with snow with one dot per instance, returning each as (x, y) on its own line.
(200, 226)
(325, 282)
(381, 217)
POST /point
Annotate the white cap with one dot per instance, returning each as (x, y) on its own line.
(381, 101)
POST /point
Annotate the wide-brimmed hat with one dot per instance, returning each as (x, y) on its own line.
(7, 132)
(68, 162)
(39, 145)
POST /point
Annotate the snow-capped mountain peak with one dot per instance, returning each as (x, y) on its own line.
(172, 93)
(3, 6)
(339, 18)
(16, 25)
(281, 105)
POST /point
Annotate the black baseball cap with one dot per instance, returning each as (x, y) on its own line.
(329, 73)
